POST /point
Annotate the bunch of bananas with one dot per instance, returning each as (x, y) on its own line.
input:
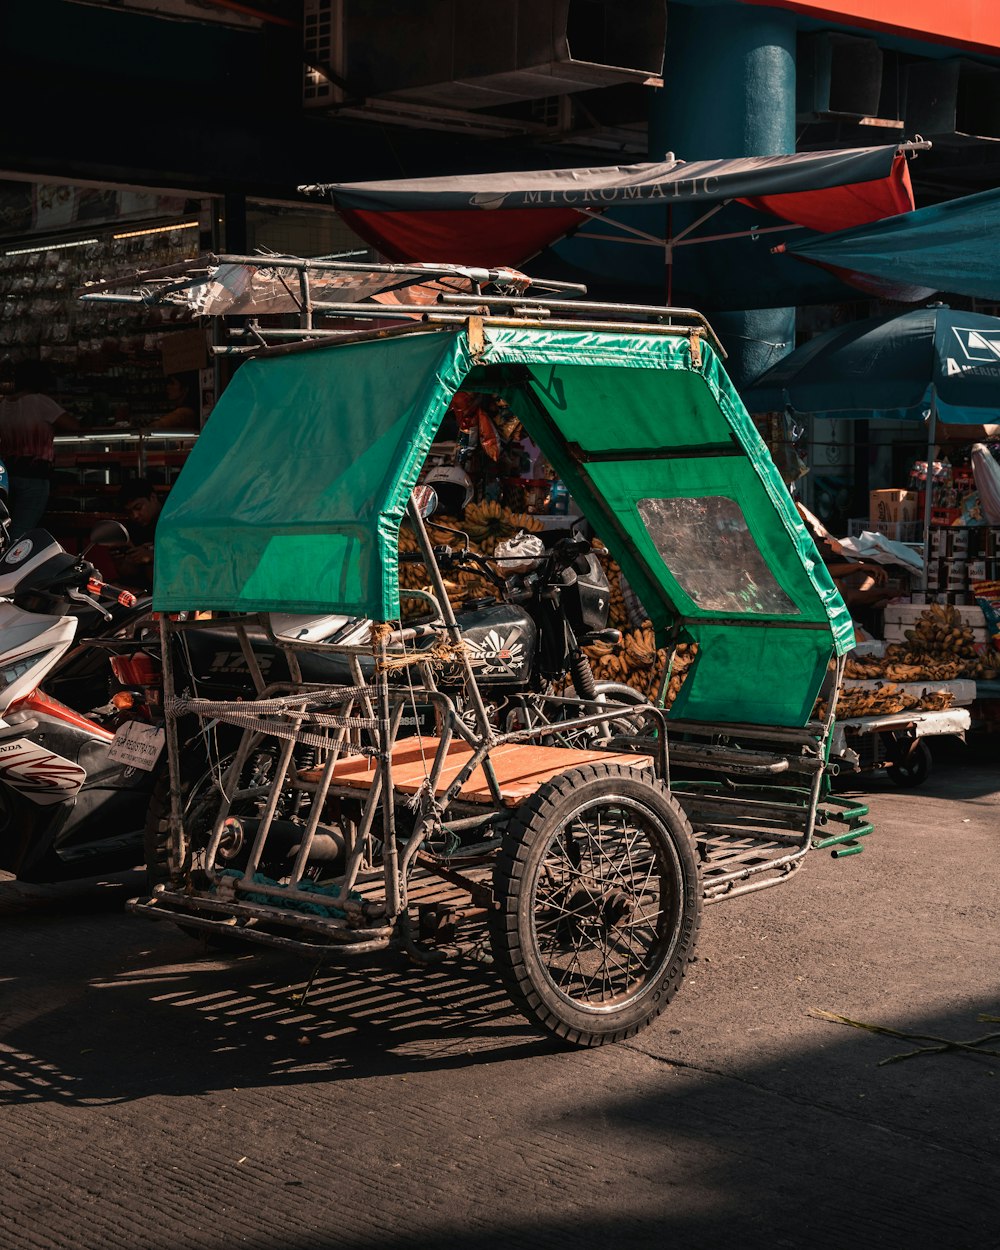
(941, 633)
(684, 655)
(885, 701)
(639, 663)
(489, 523)
(898, 666)
(936, 700)
(939, 647)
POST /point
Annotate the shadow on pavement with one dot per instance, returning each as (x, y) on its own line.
(70, 1036)
(821, 1149)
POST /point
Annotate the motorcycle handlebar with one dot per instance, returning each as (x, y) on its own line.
(125, 597)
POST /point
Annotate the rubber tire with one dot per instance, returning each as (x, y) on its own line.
(512, 936)
(915, 771)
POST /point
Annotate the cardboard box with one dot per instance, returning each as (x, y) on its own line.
(892, 505)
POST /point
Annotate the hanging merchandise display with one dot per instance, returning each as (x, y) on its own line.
(135, 382)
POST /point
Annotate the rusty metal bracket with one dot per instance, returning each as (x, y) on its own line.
(477, 338)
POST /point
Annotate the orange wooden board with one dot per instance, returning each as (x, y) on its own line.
(520, 768)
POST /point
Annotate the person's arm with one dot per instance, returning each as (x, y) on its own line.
(877, 572)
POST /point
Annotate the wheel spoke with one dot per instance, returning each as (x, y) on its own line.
(598, 910)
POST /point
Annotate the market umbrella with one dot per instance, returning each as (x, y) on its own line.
(937, 363)
(599, 223)
(944, 247)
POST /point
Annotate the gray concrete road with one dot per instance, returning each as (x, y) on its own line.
(155, 1095)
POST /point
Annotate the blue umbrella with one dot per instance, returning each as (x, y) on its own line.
(943, 246)
(935, 363)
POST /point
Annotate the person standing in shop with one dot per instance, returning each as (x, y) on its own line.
(28, 421)
(862, 583)
(180, 393)
(142, 506)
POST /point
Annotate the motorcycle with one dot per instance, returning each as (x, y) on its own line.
(525, 648)
(527, 640)
(81, 677)
(76, 781)
(68, 795)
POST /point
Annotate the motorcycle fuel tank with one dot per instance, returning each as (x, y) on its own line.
(501, 642)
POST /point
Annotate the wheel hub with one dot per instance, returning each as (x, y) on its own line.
(587, 902)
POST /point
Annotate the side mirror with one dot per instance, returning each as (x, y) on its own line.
(424, 499)
(109, 534)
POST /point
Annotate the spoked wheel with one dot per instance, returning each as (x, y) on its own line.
(599, 904)
(912, 765)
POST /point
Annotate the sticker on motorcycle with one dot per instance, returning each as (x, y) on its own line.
(39, 775)
(494, 653)
(20, 551)
(137, 745)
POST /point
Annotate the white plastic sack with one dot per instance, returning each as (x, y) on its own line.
(986, 471)
(519, 554)
(869, 545)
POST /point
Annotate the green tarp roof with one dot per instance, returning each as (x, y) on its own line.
(292, 497)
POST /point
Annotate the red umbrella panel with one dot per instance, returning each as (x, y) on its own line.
(441, 219)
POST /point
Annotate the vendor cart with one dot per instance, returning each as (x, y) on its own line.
(895, 742)
(583, 840)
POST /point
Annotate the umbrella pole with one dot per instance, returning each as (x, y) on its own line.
(929, 489)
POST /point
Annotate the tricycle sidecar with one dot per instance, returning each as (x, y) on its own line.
(587, 838)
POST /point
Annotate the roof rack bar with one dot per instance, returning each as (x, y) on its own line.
(284, 340)
(575, 305)
(477, 273)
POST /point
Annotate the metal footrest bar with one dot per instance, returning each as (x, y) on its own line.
(746, 763)
(750, 879)
(861, 831)
(177, 903)
(753, 833)
(808, 736)
(247, 934)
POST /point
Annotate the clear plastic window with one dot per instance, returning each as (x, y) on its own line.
(707, 545)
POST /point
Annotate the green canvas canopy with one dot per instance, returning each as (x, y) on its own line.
(292, 497)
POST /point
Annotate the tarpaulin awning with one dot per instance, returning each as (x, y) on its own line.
(890, 367)
(945, 247)
(291, 499)
(935, 363)
(440, 218)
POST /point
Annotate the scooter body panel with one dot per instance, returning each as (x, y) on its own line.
(68, 810)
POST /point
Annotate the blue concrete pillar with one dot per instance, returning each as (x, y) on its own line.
(729, 90)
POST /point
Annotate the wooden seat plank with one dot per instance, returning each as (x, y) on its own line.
(520, 767)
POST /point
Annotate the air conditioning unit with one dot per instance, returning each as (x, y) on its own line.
(839, 75)
(451, 54)
(955, 101)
